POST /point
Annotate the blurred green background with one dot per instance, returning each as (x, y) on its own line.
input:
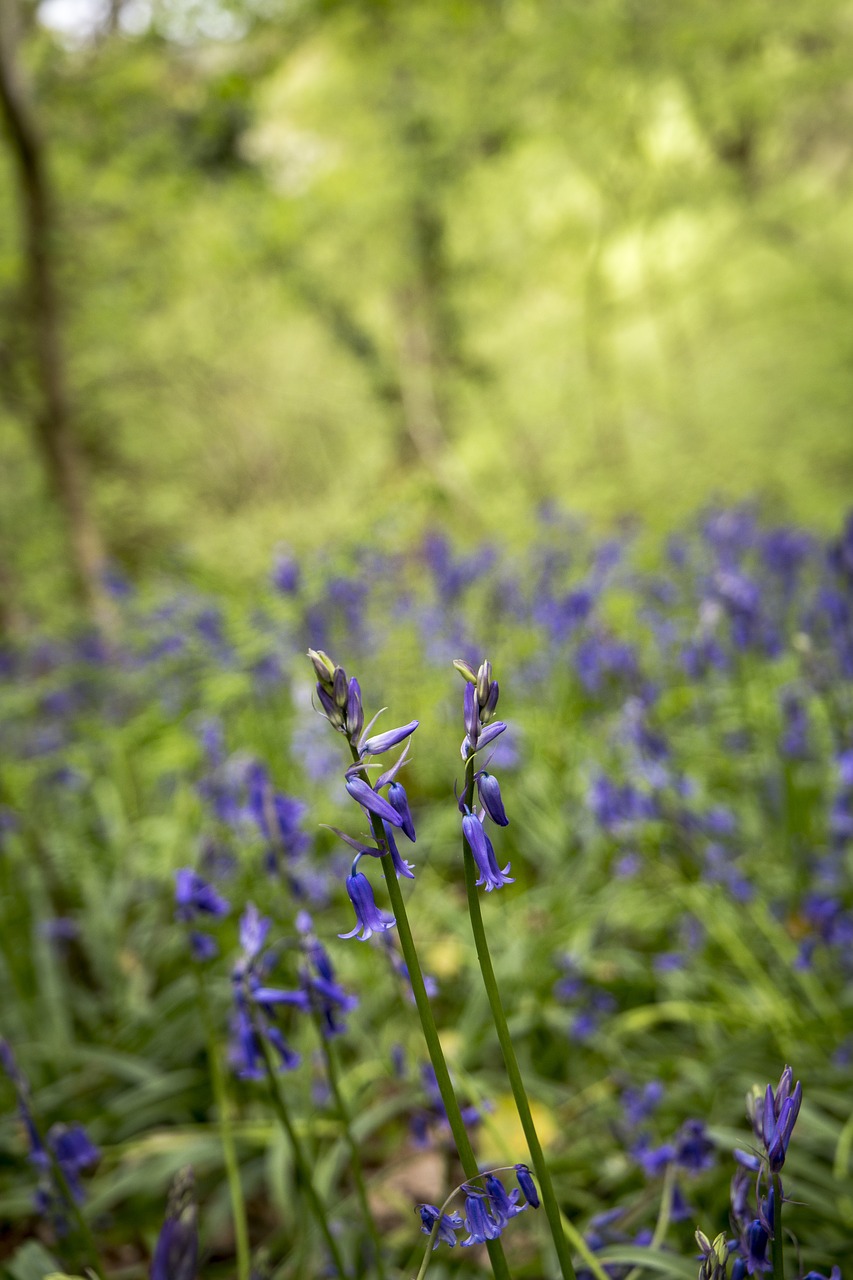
(325, 262)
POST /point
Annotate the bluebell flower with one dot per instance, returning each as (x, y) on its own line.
(504, 1205)
(489, 792)
(479, 1223)
(176, 1251)
(484, 855)
(75, 1154)
(256, 1005)
(527, 1185)
(318, 980)
(369, 919)
(194, 896)
(363, 793)
(449, 1224)
(402, 867)
(399, 801)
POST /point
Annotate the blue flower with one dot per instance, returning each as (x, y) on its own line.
(503, 1206)
(399, 801)
(369, 918)
(489, 791)
(479, 1223)
(484, 855)
(176, 1252)
(369, 799)
(194, 896)
(449, 1224)
(528, 1186)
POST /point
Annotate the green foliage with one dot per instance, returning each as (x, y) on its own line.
(402, 258)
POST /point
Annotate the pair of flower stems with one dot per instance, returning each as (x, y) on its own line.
(461, 1139)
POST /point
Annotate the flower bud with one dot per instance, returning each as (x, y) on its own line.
(339, 685)
(323, 666)
(465, 670)
(484, 680)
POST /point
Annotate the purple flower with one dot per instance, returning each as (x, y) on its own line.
(369, 918)
(402, 867)
(382, 742)
(399, 801)
(489, 791)
(194, 896)
(528, 1186)
(448, 1224)
(479, 1222)
(484, 855)
(176, 1252)
(369, 799)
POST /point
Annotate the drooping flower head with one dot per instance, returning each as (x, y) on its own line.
(176, 1252)
(256, 1006)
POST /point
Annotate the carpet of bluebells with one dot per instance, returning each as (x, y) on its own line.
(675, 928)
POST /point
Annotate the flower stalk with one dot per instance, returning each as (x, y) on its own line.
(543, 1173)
(302, 1166)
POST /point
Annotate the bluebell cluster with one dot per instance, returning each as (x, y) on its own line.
(488, 1210)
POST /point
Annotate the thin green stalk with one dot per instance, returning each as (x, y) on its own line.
(436, 1054)
(662, 1224)
(777, 1253)
(543, 1173)
(355, 1155)
(299, 1157)
(226, 1134)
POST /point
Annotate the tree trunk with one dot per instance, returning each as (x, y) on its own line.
(52, 422)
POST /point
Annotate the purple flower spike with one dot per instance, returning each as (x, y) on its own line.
(490, 798)
(382, 742)
(399, 801)
(370, 919)
(370, 800)
(484, 855)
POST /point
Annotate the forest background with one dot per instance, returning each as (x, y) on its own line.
(329, 268)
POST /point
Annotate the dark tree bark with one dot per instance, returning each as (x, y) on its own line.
(52, 423)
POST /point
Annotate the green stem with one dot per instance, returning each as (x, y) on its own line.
(662, 1224)
(355, 1155)
(777, 1254)
(436, 1054)
(299, 1158)
(226, 1134)
(543, 1173)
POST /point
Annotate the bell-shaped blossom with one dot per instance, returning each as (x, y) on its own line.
(176, 1251)
(399, 801)
(484, 855)
(372, 801)
(528, 1186)
(448, 1224)
(489, 791)
(401, 866)
(479, 1223)
(382, 742)
(369, 918)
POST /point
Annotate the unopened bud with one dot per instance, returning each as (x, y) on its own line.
(465, 670)
(484, 680)
(324, 668)
(339, 686)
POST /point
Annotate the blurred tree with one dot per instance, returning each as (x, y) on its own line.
(52, 420)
